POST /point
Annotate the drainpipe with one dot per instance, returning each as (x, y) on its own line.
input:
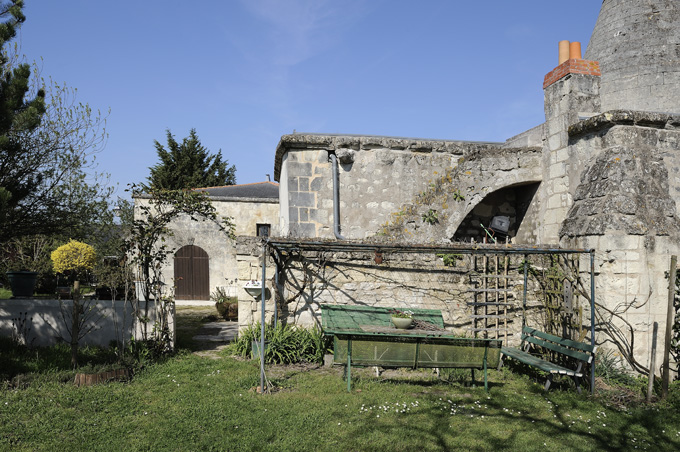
(336, 197)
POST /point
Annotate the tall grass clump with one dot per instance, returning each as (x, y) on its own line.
(285, 344)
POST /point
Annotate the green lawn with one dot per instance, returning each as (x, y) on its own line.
(194, 403)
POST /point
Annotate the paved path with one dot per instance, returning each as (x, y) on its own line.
(214, 336)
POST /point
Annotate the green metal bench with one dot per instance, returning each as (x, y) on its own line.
(581, 352)
(364, 336)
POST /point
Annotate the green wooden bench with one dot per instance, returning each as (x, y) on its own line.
(364, 336)
(581, 352)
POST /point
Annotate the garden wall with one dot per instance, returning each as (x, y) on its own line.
(470, 304)
(43, 322)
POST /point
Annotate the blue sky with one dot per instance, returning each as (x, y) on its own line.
(245, 72)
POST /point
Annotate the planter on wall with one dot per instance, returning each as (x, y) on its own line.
(401, 322)
(22, 283)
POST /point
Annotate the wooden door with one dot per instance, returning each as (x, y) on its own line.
(192, 274)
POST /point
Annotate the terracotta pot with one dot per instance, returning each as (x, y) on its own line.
(575, 51)
(564, 52)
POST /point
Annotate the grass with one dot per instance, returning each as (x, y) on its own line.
(194, 403)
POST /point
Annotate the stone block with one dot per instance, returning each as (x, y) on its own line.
(293, 215)
(557, 125)
(621, 242)
(297, 169)
(555, 142)
(317, 184)
(554, 202)
(561, 155)
(306, 230)
(303, 183)
(319, 216)
(557, 170)
(297, 199)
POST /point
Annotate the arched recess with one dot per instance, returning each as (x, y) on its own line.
(511, 201)
(192, 273)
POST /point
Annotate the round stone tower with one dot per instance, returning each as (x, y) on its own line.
(637, 43)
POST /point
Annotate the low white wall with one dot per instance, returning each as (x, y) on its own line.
(45, 325)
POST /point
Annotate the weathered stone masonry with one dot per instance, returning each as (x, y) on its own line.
(602, 172)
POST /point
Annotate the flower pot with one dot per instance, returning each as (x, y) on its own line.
(402, 323)
(22, 283)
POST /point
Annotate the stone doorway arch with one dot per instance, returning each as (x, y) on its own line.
(192, 273)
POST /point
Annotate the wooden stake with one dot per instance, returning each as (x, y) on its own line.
(669, 326)
(652, 364)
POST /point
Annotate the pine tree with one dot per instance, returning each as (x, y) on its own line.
(18, 116)
(189, 165)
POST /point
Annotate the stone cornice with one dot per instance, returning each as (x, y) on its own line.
(624, 117)
(367, 142)
(223, 199)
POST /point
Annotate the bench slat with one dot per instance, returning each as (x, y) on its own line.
(588, 348)
(559, 349)
(539, 363)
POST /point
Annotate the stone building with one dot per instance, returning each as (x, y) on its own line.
(205, 258)
(602, 172)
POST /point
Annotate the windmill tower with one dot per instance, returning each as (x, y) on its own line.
(637, 44)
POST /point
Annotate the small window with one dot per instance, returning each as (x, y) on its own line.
(263, 230)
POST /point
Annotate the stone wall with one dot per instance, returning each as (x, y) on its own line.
(610, 182)
(376, 176)
(562, 163)
(44, 322)
(397, 280)
(249, 268)
(625, 207)
(223, 266)
(387, 184)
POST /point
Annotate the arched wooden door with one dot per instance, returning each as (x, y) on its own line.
(192, 274)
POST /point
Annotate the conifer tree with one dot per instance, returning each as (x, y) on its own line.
(18, 116)
(47, 146)
(189, 165)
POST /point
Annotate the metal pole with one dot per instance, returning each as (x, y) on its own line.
(276, 284)
(672, 274)
(262, 284)
(349, 364)
(592, 318)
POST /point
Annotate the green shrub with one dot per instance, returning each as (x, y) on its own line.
(609, 366)
(286, 344)
(673, 399)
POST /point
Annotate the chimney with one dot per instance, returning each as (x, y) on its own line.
(571, 62)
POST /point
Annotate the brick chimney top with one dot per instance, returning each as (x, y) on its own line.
(571, 65)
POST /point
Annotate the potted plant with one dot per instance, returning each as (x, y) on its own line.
(402, 319)
(24, 259)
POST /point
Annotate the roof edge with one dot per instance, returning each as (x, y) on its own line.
(332, 142)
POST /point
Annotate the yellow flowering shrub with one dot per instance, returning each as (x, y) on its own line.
(74, 256)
